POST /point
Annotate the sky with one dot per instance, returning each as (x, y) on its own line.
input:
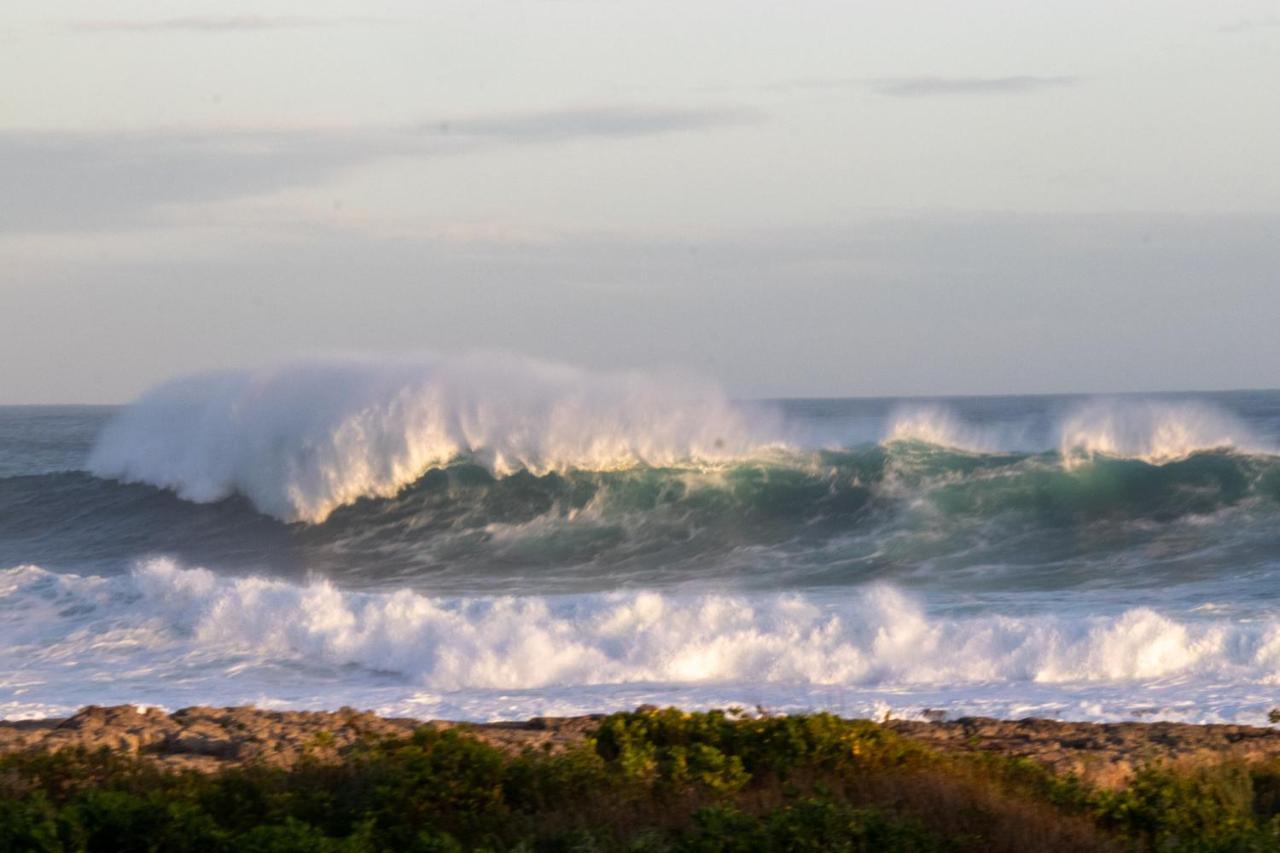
(799, 199)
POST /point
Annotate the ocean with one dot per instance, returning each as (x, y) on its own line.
(491, 537)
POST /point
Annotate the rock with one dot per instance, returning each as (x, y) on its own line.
(203, 738)
(1101, 753)
(206, 739)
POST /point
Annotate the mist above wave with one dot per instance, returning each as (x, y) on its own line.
(304, 439)
(1154, 431)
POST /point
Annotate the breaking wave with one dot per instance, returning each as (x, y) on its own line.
(303, 440)
(1154, 431)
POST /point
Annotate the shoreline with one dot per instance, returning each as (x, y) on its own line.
(208, 740)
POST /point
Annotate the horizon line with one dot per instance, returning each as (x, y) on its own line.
(819, 397)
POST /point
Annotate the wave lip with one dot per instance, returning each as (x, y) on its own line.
(301, 440)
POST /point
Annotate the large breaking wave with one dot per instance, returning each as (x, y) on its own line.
(301, 441)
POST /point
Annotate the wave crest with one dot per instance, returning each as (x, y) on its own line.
(301, 440)
(1155, 432)
(934, 425)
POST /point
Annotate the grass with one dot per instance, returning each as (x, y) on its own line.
(648, 781)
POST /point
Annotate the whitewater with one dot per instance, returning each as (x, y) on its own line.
(490, 536)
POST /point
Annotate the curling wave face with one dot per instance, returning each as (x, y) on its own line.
(901, 511)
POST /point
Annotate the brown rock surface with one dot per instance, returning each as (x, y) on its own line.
(1101, 753)
(210, 738)
(203, 738)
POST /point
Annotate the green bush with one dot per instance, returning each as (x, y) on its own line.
(646, 782)
(808, 825)
(1204, 809)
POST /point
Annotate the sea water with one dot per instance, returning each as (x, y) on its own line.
(493, 537)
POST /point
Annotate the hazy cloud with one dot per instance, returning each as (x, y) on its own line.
(922, 304)
(607, 121)
(1249, 24)
(908, 87)
(215, 24)
(58, 180)
(925, 87)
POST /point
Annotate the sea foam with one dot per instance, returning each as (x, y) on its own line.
(178, 634)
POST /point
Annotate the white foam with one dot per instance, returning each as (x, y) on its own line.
(170, 635)
(304, 439)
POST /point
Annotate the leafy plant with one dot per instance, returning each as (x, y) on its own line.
(657, 780)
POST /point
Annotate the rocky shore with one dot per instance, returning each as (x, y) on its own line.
(1104, 754)
(208, 739)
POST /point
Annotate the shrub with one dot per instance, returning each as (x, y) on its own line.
(646, 782)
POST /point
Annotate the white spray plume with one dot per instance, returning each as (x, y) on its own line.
(303, 439)
(1153, 431)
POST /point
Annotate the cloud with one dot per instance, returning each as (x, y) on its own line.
(214, 24)
(84, 181)
(63, 180)
(944, 303)
(608, 121)
(927, 87)
(923, 87)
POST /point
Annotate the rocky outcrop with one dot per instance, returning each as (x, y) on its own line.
(1101, 753)
(204, 738)
(210, 738)
(207, 739)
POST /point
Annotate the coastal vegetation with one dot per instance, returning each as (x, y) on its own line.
(651, 780)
